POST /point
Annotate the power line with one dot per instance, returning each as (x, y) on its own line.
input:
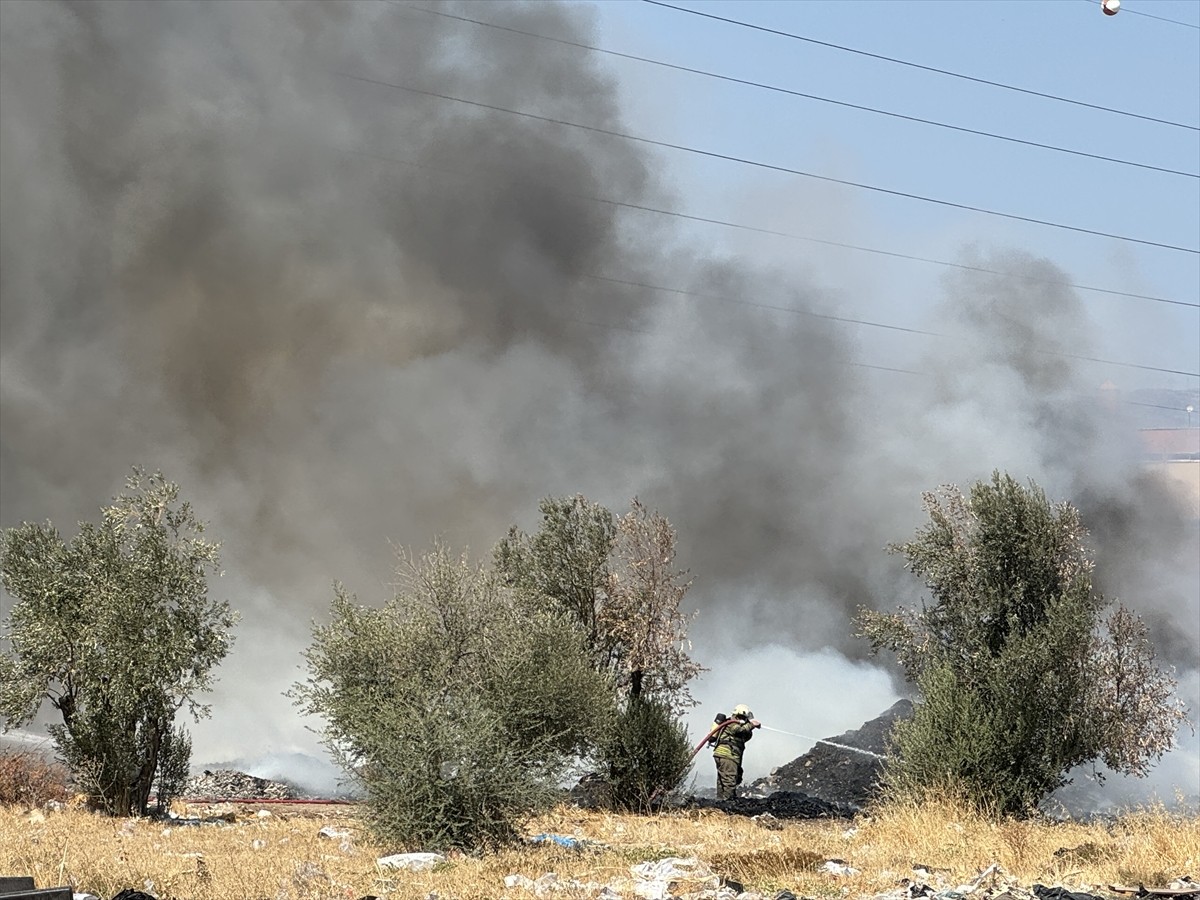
(904, 62)
(829, 317)
(799, 237)
(1138, 12)
(757, 305)
(794, 93)
(802, 312)
(722, 299)
(710, 154)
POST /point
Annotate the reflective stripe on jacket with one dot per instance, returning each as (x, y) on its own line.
(731, 740)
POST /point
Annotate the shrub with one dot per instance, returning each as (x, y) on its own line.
(645, 753)
(29, 780)
(457, 708)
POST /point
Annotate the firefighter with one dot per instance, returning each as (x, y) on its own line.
(730, 745)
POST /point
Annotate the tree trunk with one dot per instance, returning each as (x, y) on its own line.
(145, 775)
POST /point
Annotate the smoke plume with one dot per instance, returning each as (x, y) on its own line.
(248, 244)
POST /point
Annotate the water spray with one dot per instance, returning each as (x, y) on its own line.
(820, 741)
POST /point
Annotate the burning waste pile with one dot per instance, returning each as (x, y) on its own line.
(227, 784)
(842, 770)
(835, 779)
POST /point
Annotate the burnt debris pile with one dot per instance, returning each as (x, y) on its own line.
(842, 776)
(779, 805)
(227, 784)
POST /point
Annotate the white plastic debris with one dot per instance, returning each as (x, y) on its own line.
(414, 862)
(518, 880)
(654, 878)
(672, 868)
(839, 867)
(263, 814)
(83, 896)
(332, 833)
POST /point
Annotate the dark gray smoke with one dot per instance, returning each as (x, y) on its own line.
(345, 315)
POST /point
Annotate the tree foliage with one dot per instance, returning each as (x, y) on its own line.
(116, 629)
(644, 753)
(1021, 675)
(617, 578)
(457, 707)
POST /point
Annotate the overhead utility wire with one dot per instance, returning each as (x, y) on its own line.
(861, 365)
(799, 237)
(1138, 12)
(793, 93)
(802, 312)
(757, 305)
(770, 166)
(722, 299)
(905, 62)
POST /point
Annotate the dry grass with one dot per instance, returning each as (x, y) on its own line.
(281, 857)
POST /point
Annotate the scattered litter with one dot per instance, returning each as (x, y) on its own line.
(1180, 887)
(659, 880)
(766, 820)
(331, 833)
(838, 867)
(550, 885)
(414, 862)
(562, 840)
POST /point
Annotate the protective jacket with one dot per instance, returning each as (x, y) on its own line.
(731, 740)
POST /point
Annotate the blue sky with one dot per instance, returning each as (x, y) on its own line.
(1068, 48)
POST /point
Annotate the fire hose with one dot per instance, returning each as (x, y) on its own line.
(712, 732)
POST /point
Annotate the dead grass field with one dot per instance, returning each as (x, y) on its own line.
(281, 856)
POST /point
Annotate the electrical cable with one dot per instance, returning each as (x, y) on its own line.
(768, 166)
(791, 235)
(794, 93)
(720, 299)
(1138, 12)
(904, 62)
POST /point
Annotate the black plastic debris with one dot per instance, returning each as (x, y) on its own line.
(1061, 893)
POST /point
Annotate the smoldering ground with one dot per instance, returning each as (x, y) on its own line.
(246, 244)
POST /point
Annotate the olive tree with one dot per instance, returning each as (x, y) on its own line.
(1023, 671)
(457, 707)
(115, 628)
(617, 578)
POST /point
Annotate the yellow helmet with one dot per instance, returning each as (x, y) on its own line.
(742, 711)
